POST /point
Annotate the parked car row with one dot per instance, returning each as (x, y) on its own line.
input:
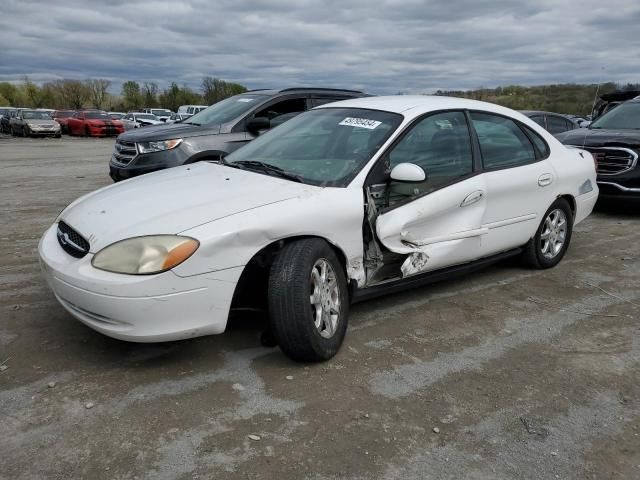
(84, 122)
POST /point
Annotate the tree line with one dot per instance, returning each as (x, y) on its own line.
(569, 98)
(94, 93)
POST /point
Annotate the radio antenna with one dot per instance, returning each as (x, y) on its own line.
(593, 106)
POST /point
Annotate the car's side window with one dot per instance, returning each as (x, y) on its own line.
(502, 143)
(441, 145)
(539, 119)
(556, 124)
(292, 105)
(540, 144)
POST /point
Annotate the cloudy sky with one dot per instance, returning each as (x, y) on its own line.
(379, 46)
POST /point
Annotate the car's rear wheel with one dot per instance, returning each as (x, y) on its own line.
(308, 300)
(551, 241)
(87, 133)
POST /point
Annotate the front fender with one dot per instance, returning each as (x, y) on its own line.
(335, 214)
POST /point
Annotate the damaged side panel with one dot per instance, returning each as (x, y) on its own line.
(436, 230)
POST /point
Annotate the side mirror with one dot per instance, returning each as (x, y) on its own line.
(258, 124)
(408, 173)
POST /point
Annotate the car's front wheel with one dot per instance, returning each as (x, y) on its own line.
(308, 300)
(26, 132)
(551, 241)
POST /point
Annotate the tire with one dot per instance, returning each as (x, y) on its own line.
(13, 132)
(25, 131)
(87, 133)
(551, 241)
(58, 135)
(292, 315)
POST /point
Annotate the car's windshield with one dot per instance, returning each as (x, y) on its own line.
(116, 116)
(35, 115)
(325, 147)
(146, 116)
(64, 114)
(97, 116)
(161, 111)
(226, 110)
(623, 117)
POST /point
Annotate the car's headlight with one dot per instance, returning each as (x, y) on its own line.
(145, 255)
(148, 147)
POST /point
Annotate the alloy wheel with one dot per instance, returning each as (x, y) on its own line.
(324, 298)
(554, 233)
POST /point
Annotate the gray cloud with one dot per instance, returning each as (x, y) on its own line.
(383, 47)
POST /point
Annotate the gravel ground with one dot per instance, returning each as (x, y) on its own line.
(508, 373)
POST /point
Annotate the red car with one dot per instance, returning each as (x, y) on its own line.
(93, 123)
(62, 117)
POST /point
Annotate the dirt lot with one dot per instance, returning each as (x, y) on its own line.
(525, 374)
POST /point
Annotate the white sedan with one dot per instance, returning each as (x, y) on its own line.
(138, 120)
(344, 202)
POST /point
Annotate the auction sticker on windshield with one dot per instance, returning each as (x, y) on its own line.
(360, 122)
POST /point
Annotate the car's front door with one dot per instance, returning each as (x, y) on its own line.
(519, 180)
(436, 223)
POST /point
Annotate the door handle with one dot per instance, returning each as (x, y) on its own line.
(472, 198)
(545, 179)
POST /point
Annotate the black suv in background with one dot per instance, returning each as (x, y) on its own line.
(215, 131)
(614, 141)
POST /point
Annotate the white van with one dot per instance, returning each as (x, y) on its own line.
(191, 109)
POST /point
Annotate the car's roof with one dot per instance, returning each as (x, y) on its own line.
(542, 112)
(415, 105)
(312, 90)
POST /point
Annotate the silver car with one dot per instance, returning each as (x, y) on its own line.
(31, 123)
(139, 119)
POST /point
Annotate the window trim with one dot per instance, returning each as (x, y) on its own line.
(538, 156)
(239, 126)
(384, 157)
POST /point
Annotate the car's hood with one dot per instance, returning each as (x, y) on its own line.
(168, 131)
(599, 138)
(174, 200)
(40, 121)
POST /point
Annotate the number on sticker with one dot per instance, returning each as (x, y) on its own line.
(360, 122)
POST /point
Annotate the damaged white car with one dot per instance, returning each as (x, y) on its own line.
(344, 202)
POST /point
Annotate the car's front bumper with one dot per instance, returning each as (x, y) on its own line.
(44, 132)
(612, 188)
(139, 308)
(104, 131)
(147, 163)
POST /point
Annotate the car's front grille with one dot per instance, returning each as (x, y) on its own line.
(71, 241)
(124, 152)
(613, 160)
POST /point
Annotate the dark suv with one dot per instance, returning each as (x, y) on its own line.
(215, 131)
(614, 141)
